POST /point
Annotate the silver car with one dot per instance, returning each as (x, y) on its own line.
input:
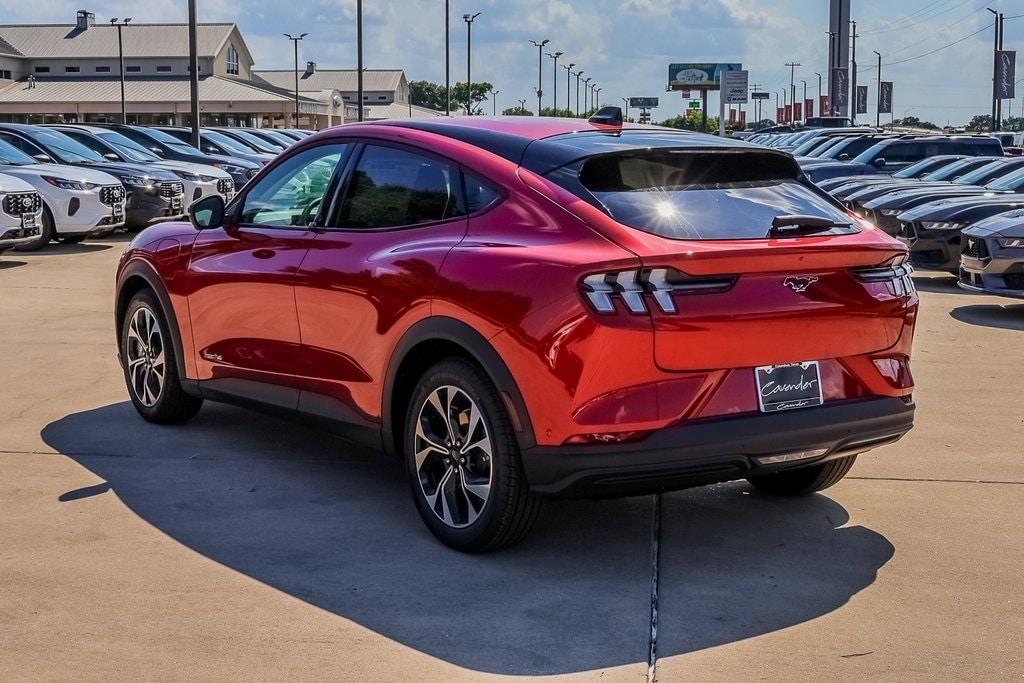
(992, 255)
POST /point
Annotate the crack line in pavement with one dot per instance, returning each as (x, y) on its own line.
(652, 652)
(941, 481)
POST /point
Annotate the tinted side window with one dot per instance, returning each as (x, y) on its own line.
(87, 140)
(479, 195)
(395, 187)
(903, 152)
(292, 193)
(24, 145)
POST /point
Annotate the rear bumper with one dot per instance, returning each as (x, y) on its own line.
(717, 450)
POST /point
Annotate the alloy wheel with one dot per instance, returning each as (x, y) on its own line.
(144, 354)
(453, 456)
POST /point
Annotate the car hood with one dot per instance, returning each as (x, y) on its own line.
(836, 183)
(80, 173)
(1009, 224)
(943, 209)
(9, 183)
(221, 159)
(894, 198)
(189, 167)
(128, 168)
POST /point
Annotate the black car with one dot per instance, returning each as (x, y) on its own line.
(932, 230)
(169, 147)
(153, 193)
(840, 188)
(889, 156)
(215, 142)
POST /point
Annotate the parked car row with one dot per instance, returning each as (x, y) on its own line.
(69, 182)
(956, 200)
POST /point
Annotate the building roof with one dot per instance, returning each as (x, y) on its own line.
(211, 89)
(333, 79)
(8, 49)
(66, 41)
(396, 110)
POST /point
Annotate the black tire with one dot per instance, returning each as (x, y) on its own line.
(47, 230)
(805, 480)
(172, 405)
(510, 509)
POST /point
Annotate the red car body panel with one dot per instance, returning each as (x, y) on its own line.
(323, 313)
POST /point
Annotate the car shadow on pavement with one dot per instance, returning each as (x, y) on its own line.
(1001, 316)
(939, 285)
(5, 264)
(58, 248)
(334, 525)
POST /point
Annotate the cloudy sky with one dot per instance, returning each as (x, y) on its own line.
(626, 45)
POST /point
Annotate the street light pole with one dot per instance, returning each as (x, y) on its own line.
(554, 82)
(586, 90)
(878, 104)
(540, 72)
(494, 102)
(626, 100)
(295, 40)
(447, 58)
(522, 105)
(578, 74)
(469, 18)
(193, 61)
(995, 69)
(568, 88)
(820, 113)
(120, 55)
(597, 98)
(359, 57)
(804, 108)
(792, 85)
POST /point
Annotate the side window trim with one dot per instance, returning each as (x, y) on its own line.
(237, 205)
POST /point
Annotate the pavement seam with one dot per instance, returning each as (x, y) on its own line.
(652, 651)
(941, 481)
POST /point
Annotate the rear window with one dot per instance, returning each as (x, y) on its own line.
(697, 195)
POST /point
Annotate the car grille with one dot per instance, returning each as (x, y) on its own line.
(22, 202)
(974, 247)
(971, 279)
(112, 195)
(170, 190)
(907, 230)
(1014, 280)
(225, 186)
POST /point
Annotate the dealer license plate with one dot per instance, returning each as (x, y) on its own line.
(788, 387)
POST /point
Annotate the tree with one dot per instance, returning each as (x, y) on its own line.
(914, 122)
(691, 121)
(477, 94)
(517, 111)
(564, 113)
(432, 96)
(980, 122)
(1013, 123)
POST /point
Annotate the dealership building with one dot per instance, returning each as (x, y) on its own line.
(71, 72)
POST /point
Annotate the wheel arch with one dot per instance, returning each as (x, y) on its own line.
(137, 276)
(428, 342)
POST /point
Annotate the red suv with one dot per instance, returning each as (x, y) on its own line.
(529, 307)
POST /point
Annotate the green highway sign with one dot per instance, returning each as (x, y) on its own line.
(694, 104)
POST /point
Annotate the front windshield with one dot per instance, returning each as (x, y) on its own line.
(64, 148)
(12, 156)
(228, 143)
(172, 142)
(993, 169)
(914, 170)
(260, 144)
(871, 153)
(127, 148)
(824, 151)
(954, 170)
(1013, 181)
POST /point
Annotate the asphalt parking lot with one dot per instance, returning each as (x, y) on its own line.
(245, 547)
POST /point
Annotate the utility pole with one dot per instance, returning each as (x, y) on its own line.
(820, 113)
(568, 88)
(540, 71)
(120, 54)
(792, 85)
(853, 76)
(578, 74)
(193, 77)
(586, 92)
(995, 66)
(447, 59)
(878, 107)
(494, 101)
(554, 82)
(469, 18)
(296, 40)
(359, 58)
(597, 98)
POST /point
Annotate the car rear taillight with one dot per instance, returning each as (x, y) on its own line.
(897, 272)
(634, 287)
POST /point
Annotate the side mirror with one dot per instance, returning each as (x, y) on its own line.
(844, 157)
(110, 156)
(207, 213)
(157, 151)
(43, 158)
(210, 149)
(879, 162)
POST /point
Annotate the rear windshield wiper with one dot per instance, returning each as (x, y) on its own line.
(786, 226)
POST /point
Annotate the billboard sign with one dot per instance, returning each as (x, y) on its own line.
(1006, 74)
(643, 102)
(687, 76)
(735, 86)
(885, 98)
(862, 100)
(760, 96)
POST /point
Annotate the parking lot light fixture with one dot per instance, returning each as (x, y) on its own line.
(568, 88)
(554, 82)
(295, 40)
(120, 55)
(469, 19)
(540, 69)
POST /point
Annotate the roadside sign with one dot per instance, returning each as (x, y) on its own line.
(735, 86)
(694, 104)
(643, 102)
(760, 96)
(688, 76)
(885, 100)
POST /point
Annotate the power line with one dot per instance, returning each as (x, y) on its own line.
(930, 52)
(901, 26)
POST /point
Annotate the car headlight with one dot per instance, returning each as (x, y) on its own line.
(890, 212)
(68, 184)
(1011, 242)
(942, 225)
(137, 181)
(230, 168)
(195, 177)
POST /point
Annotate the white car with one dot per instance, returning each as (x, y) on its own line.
(77, 201)
(200, 180)
(21, 212)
